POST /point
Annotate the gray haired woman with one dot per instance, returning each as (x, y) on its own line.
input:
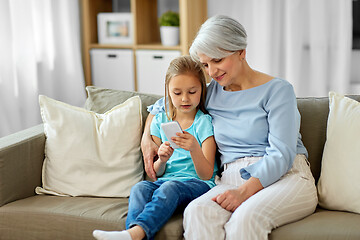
(266, 179)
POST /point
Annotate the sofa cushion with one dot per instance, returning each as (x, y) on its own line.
(46, 217)
(53, 217)
(338, 186)
(314, 114)
(90, 154)
(322, 225)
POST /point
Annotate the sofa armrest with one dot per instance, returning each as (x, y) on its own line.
(21, 159)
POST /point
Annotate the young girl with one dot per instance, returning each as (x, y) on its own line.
(184, 173)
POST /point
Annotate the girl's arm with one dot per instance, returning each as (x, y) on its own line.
(203, 157)
(164, 152)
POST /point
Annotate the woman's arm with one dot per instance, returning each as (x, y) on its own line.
(149, 149)
(283, 123)
(203, 157)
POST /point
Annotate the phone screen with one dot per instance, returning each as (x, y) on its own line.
(170, 129)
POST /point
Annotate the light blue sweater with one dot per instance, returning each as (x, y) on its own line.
(261, 121)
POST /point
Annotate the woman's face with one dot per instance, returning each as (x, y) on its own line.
(224, 70)
(185, 92)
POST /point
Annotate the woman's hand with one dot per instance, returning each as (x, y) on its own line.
(149, 150)
(165, 152)
(232, 199)
(186, 141)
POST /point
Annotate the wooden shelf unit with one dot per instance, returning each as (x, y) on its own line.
(146, 29)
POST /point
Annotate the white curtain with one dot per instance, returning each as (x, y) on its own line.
(40, 53)
(307, 42)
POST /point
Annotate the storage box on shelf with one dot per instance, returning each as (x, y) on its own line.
(113, 68)
(151, 69)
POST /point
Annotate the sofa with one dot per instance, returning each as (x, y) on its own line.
(27, 215)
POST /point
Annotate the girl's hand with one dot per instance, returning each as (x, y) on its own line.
(186, 141)
(165, 152)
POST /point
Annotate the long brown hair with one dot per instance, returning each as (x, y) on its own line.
(178, 66)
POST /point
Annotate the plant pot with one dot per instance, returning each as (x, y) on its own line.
(169, 35)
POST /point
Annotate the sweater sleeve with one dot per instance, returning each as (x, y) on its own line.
(284, 125)
(157, 107)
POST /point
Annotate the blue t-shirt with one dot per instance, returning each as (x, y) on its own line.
(180, 165)
(260, 121)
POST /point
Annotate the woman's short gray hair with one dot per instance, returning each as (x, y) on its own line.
(218, 37)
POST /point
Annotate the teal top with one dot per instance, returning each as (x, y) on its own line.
(180, 165)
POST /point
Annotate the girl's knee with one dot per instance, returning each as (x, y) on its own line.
(168, 191)
(170, 188)
(140, 188)
(170, 184)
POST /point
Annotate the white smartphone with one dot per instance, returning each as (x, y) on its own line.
(170, 129)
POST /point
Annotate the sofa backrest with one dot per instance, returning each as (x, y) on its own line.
(314, 113)
(313, 110)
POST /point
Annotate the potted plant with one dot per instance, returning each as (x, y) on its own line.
(169, 28)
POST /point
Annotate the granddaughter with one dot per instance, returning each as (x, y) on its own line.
(184, 173)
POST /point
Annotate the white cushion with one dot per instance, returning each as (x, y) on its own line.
(338, 186)
(90, 154)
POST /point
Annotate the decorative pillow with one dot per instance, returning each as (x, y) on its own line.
(90, 154)
(338, 186)
(101, 100)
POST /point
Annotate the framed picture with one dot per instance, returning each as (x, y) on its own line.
(115, 28)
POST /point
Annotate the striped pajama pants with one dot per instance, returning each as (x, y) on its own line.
(291, 198)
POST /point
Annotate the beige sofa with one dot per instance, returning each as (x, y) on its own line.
(25, 215)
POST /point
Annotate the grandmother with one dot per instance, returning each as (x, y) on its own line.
(266, 180)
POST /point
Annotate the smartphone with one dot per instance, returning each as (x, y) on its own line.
(170, 129)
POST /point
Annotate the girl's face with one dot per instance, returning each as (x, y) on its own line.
(185, 92)
(224, 70)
